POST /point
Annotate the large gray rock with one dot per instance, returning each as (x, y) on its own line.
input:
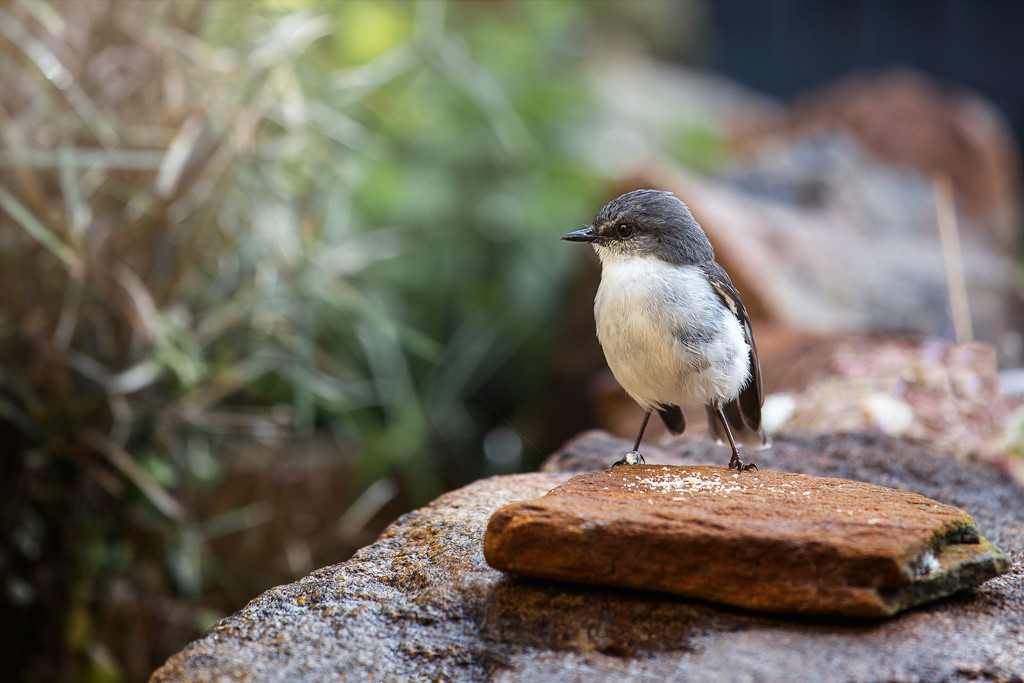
(421, 603)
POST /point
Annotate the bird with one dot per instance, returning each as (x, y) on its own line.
(670, 322)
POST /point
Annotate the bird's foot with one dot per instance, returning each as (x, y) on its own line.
(631, 458)
(737, 464)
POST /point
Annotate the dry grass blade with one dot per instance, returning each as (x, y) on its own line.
(60, 76)
(143, 313)
(956, 282)
(42, 234)
(126, 465)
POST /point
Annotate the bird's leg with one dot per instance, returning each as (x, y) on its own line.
(640, 434)
(634, 457)
(735, 463)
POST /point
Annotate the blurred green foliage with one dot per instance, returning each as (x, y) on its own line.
(227, 225)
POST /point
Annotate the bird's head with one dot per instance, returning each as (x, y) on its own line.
(647, 223)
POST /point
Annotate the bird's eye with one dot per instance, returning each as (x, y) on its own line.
(624, 230)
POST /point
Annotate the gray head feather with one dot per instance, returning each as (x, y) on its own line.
(652, 223)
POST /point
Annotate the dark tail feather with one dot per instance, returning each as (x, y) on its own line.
(747, 432)
(672, 416)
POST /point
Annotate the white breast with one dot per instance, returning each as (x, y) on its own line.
(666, 335)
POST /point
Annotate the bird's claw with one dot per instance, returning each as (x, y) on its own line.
(737, 464)
(631, 458)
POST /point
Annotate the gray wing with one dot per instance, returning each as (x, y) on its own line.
(744, 413)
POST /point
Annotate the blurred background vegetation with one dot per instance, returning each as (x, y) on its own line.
(265, 271)
(273, 273)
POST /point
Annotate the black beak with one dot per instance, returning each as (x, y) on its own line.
(585, 235)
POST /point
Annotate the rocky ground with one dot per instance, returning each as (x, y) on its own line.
(421, 603)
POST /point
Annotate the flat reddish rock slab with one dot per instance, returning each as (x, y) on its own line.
(768, 541)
